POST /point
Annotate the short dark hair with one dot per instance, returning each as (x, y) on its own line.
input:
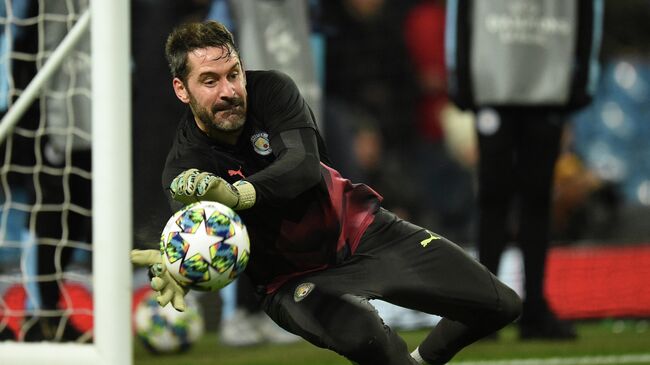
(190, 36)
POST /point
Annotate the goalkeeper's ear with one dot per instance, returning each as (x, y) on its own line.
(180, 90)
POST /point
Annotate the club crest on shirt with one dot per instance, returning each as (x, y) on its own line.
(261, 143)
(303, 291)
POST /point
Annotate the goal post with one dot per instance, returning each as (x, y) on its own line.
(112, 193)
(109, 26)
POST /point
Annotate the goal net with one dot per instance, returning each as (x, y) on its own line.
(65, 196)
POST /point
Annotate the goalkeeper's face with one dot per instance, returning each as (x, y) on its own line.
(215, 90)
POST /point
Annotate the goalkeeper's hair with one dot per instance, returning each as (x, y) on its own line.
(190, 36)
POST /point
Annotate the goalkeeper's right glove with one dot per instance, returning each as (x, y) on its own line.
(169, 290)
(193, 185)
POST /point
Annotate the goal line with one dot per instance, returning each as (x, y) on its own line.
(582, 360)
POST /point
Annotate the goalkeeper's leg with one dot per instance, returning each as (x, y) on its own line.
(316, 310)
(418, 269)
(405, 265)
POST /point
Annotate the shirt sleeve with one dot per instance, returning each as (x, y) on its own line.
(295, 170)
(277, 102)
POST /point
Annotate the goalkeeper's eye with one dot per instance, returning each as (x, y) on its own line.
(208, 79)
(233, 76)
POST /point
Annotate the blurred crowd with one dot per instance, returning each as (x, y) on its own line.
(389, 122)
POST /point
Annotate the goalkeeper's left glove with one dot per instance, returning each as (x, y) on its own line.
(193, 185)
(169, 290)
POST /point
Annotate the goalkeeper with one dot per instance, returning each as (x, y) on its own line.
(320, 245)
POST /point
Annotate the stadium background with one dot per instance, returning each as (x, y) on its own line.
(360, 69)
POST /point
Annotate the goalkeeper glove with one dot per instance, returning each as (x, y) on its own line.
(169, 290)
(193, 185)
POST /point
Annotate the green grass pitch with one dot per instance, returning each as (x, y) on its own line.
(630, 343)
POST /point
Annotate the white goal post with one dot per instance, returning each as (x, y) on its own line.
(109, 25)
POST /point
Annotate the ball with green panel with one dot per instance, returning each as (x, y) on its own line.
(205, 246)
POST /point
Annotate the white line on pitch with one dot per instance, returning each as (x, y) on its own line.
(584, 360)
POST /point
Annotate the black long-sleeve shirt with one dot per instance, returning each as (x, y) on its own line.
(306, 216)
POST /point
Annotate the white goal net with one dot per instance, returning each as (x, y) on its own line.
(65, 196)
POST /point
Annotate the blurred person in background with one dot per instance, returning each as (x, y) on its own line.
(448, 182)
(522, 66)
(609, 137)
(370, 90)
(586, 205)
(367, 65)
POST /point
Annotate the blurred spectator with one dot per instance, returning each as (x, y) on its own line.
(522, 66)
(584, 204)
(424, 30)
(445, 183)
(367, 65)
(610, 136)
(368, 73)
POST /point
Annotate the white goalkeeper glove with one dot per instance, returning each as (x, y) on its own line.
(193, 185)
(169, 290)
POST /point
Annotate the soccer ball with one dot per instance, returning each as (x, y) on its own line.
(205, 246)
(164, 330)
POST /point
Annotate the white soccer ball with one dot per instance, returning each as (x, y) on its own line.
(205, 246)
(164, 330)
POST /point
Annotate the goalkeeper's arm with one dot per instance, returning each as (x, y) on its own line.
(296, 169)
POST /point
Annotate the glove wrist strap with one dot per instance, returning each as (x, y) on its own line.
(247, 195)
